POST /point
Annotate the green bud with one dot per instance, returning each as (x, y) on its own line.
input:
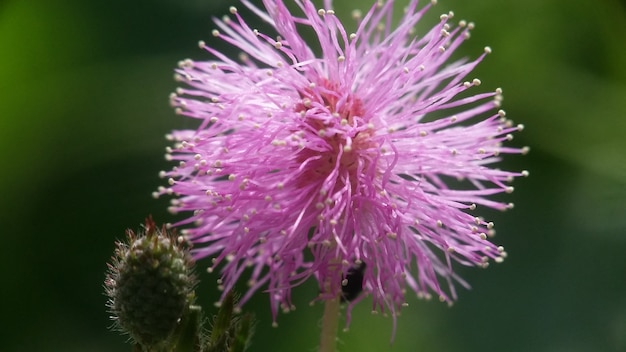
(150, 284)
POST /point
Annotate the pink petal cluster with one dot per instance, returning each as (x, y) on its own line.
(315, 155)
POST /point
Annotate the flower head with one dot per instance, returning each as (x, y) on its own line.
(364, 150)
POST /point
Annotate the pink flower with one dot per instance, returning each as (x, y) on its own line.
(313, 157)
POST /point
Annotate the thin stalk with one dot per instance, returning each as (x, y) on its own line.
(330, 323)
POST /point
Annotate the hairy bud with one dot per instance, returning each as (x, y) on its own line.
(150, 284)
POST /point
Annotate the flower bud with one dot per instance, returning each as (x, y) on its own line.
(149, 283)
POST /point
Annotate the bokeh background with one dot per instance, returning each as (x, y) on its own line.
(83, 112)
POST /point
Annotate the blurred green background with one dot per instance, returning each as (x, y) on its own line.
(84, 109)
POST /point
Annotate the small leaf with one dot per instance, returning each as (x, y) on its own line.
(222, 321)
(186, 337)
(243, 334)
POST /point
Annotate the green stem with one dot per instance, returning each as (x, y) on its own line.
(330, 323)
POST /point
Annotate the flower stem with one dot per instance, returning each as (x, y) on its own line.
(330, 322)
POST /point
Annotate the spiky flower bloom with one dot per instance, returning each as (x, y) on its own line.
(150, 283)
(314, 157)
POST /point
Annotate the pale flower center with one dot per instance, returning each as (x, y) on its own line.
(345, 135)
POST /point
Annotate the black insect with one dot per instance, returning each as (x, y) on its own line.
(352, 283)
